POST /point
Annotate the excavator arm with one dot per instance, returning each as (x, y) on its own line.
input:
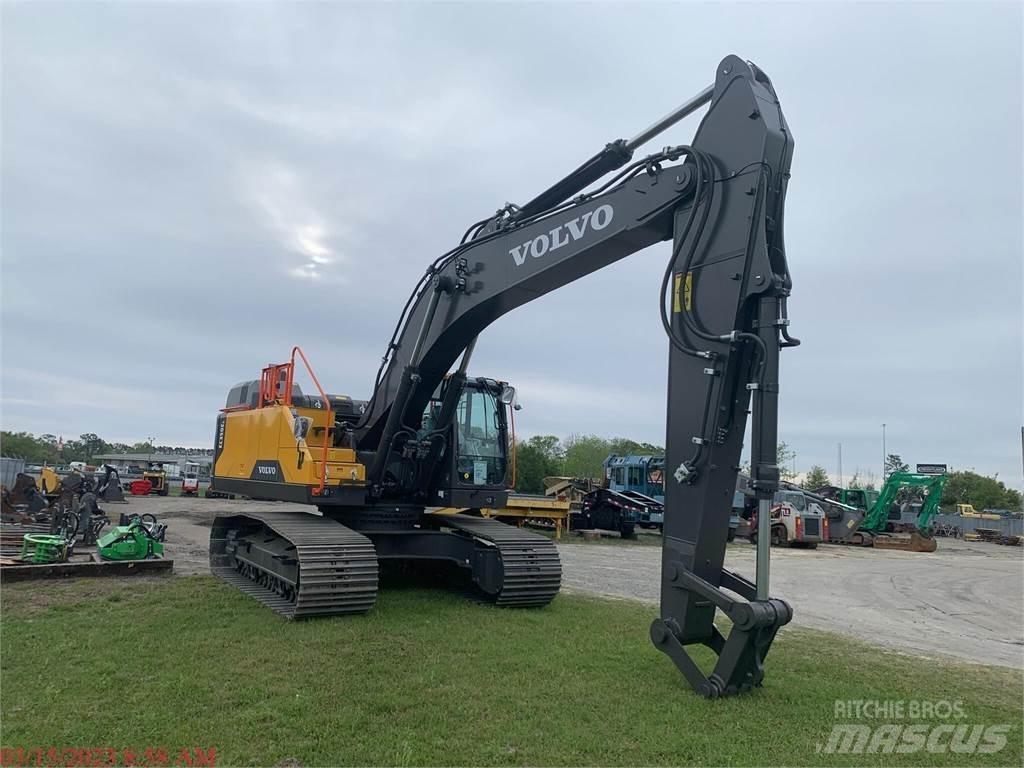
(930, 485)
(720, 201)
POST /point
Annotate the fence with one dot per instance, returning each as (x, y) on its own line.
(1007, 526)
(9, 470)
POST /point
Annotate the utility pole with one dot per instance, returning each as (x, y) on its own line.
(883, 453)
(843, 485)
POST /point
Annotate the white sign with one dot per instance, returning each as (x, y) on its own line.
(479, 473)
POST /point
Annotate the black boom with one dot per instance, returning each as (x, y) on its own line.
(720, 201)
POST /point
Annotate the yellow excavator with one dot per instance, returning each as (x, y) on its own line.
(431, 435)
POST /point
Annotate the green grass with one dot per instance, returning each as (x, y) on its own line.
(431, 678)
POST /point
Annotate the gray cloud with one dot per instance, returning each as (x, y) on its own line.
(200, 186)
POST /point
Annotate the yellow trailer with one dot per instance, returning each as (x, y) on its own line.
(521, 509)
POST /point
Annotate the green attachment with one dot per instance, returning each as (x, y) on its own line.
(129, 542)
(44, 548)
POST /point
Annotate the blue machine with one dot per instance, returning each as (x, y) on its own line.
(641, 476)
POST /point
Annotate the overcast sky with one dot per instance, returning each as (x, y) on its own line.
(188, 190)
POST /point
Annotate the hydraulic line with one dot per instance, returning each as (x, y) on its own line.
(670, 153)
(706, 177)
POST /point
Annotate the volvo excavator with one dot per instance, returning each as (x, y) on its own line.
(430, 435)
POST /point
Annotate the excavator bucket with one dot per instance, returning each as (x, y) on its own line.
(915, 542)
(109, 487)
(112, 492)
(25, 491)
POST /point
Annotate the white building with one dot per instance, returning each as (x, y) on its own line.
(173, 463)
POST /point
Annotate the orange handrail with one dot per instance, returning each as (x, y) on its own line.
(327, 406)
(270, 381)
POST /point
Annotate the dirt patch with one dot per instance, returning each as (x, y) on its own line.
(188, 521)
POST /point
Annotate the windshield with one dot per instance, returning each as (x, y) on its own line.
(793, 498)
(481, 439)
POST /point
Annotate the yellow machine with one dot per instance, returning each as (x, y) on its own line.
(968, 510)
(158, 479)
(49, 482)
(430, 436)
(274, 442)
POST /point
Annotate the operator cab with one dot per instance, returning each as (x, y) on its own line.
(473, 469)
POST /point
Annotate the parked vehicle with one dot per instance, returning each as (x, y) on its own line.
(652, 513)
(796, 519)
(883, 519)
(608, 510)
(190, 480)
(157, 478)
(642, 478)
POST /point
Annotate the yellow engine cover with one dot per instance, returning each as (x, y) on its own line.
(261, 445)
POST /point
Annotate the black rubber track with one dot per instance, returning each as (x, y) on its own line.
(337, 566)
(532, 570)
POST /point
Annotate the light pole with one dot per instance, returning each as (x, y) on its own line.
(883, 451)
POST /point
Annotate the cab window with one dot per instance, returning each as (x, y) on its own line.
(481, 439)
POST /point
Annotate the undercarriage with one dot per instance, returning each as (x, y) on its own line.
(303, 565)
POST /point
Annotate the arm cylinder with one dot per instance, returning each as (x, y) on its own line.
(611, 158)
(673, 117)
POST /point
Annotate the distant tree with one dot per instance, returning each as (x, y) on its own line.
(23, 445)
(93, 445)
(537, 458)
(74, 450)
(867, 483)
(980, 491)
(1014, 503)
(585, 455)
(145, 447)
(784, 456)
(816, 477)
(623, 446)
(894, 463)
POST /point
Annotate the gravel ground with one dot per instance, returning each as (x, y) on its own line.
(964, 600)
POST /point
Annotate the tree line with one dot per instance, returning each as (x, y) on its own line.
(576, 456)
(583, 456)
(539, 457)
(50, 449)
